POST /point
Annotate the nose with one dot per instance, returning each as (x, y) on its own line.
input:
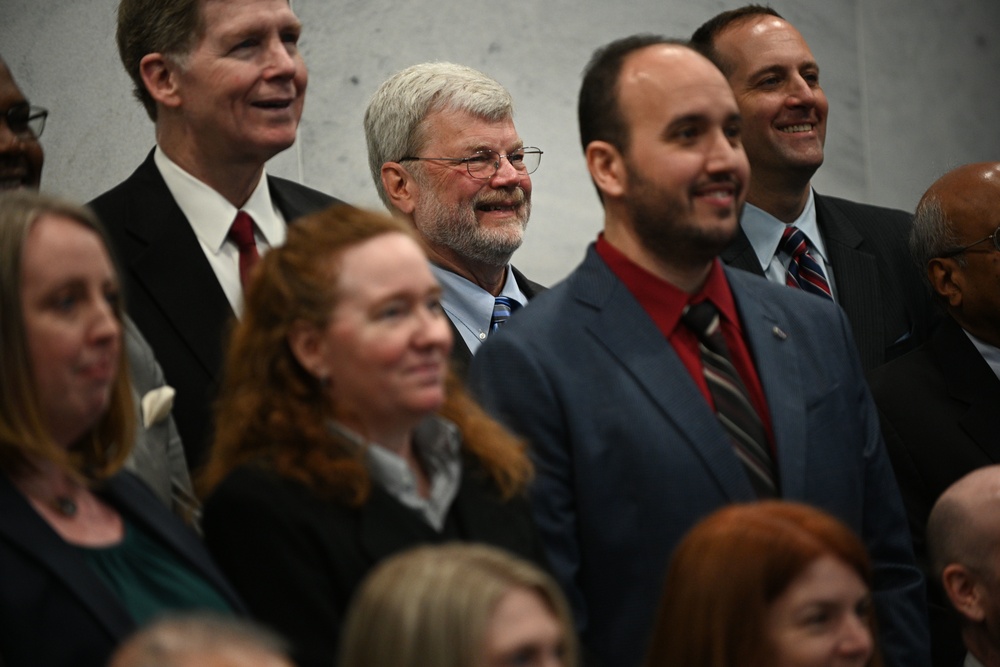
(801, 93)
(507, 176)
(856, 639)
(283, 59)
(106, 326)
(433, 330)
(9, 140)
(725, 152)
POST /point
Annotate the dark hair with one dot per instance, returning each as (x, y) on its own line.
(274, 412)
(730, 568)
(170, 27)
(703, 39)
(598, 111)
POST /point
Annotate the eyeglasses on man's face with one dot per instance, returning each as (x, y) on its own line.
(995, 237)
(485, 164)
(25, 121)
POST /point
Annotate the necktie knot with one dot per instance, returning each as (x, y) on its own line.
(804, 271)
(702, 318)
(241, 232)
(503, 308)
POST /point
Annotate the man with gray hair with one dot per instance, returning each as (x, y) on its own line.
(963, 535)
(940, 404)
(202, 640)
(224, 83)
(445, 155)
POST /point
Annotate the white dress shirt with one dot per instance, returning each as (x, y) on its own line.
(211, 215)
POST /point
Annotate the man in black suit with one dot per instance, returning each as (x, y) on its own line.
(224, 82)
(860, 250)
(445, 156)
(940, 405)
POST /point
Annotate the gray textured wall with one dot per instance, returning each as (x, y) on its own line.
(912, 85)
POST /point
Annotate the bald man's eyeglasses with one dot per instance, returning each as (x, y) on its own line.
(995, 237)
(25, 121)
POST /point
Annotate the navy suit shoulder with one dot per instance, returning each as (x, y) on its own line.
(54, 609)
(629, 455)
(171, 291)
(297, 557)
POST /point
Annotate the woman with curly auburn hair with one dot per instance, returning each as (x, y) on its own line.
(341, 438)
(769, 584)
(88, 553)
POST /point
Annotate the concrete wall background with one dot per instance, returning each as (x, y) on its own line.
(912, 86)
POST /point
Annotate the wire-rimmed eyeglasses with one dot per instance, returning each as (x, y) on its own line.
(25, 120)
(485, 164)
(995, 237)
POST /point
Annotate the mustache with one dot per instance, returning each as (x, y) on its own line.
(516, 196)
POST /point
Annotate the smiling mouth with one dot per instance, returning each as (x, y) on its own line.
(802, 127)
(273, 104)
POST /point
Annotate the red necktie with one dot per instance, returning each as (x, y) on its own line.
(242, 235)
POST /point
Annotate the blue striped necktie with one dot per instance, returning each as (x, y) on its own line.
(804, 272)
(503, 307)
(732, 401)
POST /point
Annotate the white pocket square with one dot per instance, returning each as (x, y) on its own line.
(156, 405)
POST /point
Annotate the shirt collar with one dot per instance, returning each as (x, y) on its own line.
(437, 443)
(468, 305)
(764, 231)
(210, 214)
(661, 300)
(991, 354)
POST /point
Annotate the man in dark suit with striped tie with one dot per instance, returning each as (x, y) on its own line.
(856, 253)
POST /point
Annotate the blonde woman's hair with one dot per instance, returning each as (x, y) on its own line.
(432, 606)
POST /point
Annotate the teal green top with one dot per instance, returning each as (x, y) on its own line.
(150, 579)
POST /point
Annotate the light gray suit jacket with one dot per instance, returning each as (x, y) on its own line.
(630, 455)
(157, 456)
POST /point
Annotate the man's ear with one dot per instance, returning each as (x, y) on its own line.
(947, 279)
(159, 75)
(964, 591)
(308, 346)
(400, 187)
(607, 168)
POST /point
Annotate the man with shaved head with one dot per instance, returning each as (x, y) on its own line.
(963, 535)
(852, 253)
(940, 405)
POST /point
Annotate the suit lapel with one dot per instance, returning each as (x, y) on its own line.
(633, 341)
(25, 530)
(171, 268)
(739, 254)
(972, 381)
(782, 374)
(857, 282)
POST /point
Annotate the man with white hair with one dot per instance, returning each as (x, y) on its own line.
(445, 155)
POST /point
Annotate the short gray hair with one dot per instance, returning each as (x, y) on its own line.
(932, 234)
(396, 113)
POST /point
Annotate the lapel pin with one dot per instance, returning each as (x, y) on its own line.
(779, 334)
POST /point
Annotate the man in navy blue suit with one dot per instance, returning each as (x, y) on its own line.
(643, 415)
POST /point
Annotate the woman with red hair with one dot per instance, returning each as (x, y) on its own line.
(770, 584)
